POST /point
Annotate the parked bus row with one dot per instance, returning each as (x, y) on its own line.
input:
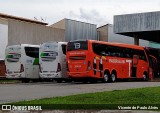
(87, 60)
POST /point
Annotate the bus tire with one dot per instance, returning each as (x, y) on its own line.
(25, 81)
(92, 81)
(59, 81)
(85, 81)
(35, 80)
(113, 77)
(106, 77)
(145, 77)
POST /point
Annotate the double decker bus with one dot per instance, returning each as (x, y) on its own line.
(52, 61)
(22, 62)
(107, 61)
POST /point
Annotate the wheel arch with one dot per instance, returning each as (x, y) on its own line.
(107, 71)
(114, 71)
(145, 72)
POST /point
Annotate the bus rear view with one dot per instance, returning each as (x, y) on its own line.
(77, 59)
(22, 62)
(53, 61)
(14, 70)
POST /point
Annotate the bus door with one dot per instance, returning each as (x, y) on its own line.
(153, 64)
(32, 61)
(134, 65)
(28, 70)
(36, 68)
(32, 68)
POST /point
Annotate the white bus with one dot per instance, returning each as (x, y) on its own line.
(22, 62)
(52, 61)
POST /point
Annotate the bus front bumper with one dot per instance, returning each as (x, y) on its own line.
(14, 76)
(50, 75)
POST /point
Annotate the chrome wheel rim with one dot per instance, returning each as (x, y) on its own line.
(113, 77)
(106, 78)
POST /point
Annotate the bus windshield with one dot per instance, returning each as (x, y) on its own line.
(32, 52)
(77, 45)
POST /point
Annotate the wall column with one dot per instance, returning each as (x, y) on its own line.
(136, 40)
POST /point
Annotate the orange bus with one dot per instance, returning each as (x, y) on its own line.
(91, 59)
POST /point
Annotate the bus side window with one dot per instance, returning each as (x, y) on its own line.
(102, 50)
(122, 53)
(119, 52)
(32, 52)
(108, 53)
(142, 55)
(64, 49)
(128, 53)
(99, 49)
(95, 48)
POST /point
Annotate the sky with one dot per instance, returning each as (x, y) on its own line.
(99, 12)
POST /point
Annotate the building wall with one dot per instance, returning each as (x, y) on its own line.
(24, 32)
(112, 37)
(137, 22)
(59, 25)
(103, 33)
(3, 21)
(3, 37)
(76, 30)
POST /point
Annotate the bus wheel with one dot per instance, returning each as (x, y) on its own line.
(113, 77)
(59, 81)
(85, 81)
(106, 77)
(145, 77)
(25, 81)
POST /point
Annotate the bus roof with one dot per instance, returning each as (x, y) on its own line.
(119, 44)
(55, 42)
(29, 45)
(24, 45)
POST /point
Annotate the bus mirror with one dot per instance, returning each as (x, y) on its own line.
(135, 60)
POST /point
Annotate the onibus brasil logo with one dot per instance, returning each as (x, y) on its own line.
(20, 108)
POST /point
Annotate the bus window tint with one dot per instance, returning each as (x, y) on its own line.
(142, 55)
(77, 45)
(108, 50)
(98, 49)
(64, 49)
(32, 52)
(114, 51)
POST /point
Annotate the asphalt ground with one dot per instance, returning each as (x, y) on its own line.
(29, 91)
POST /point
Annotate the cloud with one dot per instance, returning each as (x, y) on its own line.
(89, 16)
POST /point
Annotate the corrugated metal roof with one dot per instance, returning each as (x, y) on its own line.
(21, 19)
(80, 21)
(104, 25)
